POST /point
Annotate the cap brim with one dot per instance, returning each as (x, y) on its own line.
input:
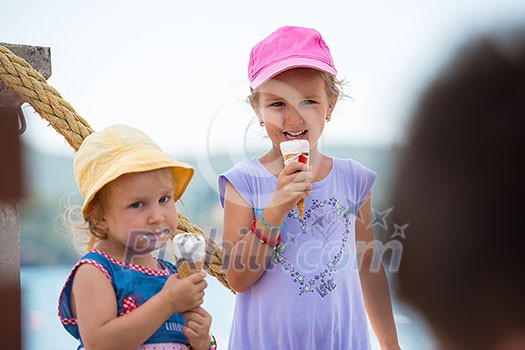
(272, 70)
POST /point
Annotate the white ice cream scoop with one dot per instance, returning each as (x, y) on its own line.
(189, 246)
(293, 150)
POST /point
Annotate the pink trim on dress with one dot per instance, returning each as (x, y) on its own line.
(164, 346)
(146, 270)
(161, 346)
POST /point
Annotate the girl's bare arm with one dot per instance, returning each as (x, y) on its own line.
(375, 285)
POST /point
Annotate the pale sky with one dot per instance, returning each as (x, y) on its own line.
(177, 69)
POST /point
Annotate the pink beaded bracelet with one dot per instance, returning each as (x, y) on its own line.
(262, 238)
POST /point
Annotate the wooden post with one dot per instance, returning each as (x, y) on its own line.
(11, 190)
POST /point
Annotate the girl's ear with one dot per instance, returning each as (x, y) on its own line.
(332, 103)
(100, 223)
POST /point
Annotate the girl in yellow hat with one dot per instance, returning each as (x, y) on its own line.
(118, 295)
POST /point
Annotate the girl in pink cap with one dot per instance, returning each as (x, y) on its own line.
(298, 280)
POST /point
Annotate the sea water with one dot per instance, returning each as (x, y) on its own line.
(43, 330)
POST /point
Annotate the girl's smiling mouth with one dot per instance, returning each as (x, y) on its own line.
(294, 134)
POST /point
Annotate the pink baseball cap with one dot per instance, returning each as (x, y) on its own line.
(288, 47)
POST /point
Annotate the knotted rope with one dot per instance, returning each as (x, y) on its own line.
(18, 75)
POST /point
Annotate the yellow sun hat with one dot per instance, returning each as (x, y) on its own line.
(117, 150)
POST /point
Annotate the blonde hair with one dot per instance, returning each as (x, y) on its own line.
(95, 212)
(82, 230)
(334, 86)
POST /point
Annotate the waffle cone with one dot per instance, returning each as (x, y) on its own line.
(300, 208)
(185, 268)
(300, 204)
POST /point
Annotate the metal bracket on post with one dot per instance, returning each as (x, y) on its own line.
(22, 125)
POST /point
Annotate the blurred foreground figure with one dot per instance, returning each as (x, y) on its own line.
(461, 186)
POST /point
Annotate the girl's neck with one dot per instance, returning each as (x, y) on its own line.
(144, 260)
(320, 163)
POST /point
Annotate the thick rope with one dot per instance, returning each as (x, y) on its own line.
(17, 74)
(33, 88)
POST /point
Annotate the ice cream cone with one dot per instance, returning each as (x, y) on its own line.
(300, 208)
(186, 268)
(296, 151)
(190, 251)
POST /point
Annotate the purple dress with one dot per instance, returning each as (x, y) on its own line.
(310, 296)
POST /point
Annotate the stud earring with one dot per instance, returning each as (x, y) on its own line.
(261, 123)
(327, 118)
